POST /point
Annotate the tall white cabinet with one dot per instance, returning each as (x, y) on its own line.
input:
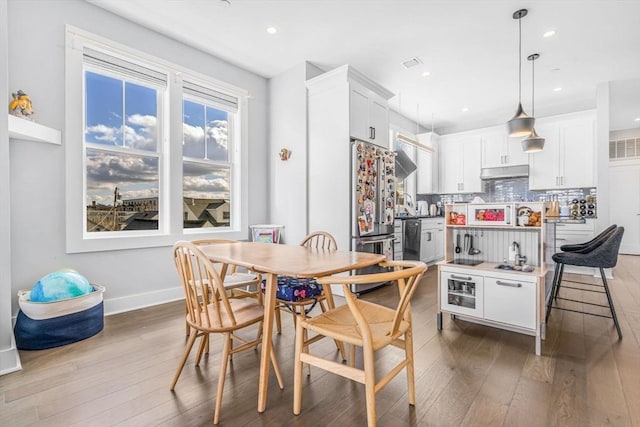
(342, 104)
(569, 156)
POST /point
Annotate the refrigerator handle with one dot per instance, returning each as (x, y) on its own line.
(380, 183)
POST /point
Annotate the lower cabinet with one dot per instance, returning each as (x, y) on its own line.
(510, 301)
(462, 293)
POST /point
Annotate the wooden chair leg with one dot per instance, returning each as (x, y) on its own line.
(352, 355)
(203, 345)
(224, 361)
(370, 385)
(408, 351)
(185, 356)
(297, 370)
(278, 318)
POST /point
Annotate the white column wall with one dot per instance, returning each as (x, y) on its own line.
(288, 129)
(9, 360)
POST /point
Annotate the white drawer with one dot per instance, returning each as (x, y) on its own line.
(510, 301)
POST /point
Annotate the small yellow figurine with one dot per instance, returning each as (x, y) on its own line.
(20, 105)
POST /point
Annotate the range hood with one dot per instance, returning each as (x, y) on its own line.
(518, 171)
(404, 165)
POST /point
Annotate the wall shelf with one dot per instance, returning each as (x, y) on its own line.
(30, 131)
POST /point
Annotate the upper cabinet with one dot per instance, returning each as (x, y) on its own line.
(459, 165)
(369, 115)
(568, 158)
(499, 150)
(427, 162)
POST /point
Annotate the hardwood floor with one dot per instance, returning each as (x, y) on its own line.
(466, 375)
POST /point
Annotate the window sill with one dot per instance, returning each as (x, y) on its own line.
(27, 130)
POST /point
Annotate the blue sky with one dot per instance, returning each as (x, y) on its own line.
(124, 114)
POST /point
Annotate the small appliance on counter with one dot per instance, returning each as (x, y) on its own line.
(423, 208)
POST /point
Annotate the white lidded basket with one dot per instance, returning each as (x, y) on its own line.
(47, 310)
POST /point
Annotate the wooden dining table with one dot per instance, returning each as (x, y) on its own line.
(272, 260)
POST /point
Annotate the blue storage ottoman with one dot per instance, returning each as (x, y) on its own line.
(42, 325)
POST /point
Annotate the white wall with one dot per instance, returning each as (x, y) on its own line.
(602, 155)
(36, 65)
(288, 129)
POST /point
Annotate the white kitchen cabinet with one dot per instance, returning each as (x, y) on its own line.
(571, 234)
(510, 301)
(568, 159)
(460, 165)
(498, 150)
(427, 162)
(431, 239)
(369, 115)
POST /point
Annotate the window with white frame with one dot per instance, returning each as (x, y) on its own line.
(153, 150)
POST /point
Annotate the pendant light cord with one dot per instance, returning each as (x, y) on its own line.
(520, 60)
(533, 87)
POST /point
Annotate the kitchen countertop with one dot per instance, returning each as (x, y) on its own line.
(491, 266)
(418, 216)
(564, 220)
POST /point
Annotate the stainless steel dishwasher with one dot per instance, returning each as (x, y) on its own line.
(411, 239)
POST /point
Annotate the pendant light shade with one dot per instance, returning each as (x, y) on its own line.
(533, 143)
(521, 124)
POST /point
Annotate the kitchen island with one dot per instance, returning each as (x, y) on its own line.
(493, 282)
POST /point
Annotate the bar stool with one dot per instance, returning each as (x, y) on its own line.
(581, 248)
(601, 254)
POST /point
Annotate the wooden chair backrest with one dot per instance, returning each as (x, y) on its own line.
(407, 274)
(320, 240)
(202, 286)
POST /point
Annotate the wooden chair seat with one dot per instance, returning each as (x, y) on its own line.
(245, 312)
(341, 325)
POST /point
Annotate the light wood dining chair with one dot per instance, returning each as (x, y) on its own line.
(319, 240)
(366, 325)
(237, 284)
(210, 310)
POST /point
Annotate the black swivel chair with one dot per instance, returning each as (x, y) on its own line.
(603, 253)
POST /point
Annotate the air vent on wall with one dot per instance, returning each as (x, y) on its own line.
(624, 149)
(411, 62)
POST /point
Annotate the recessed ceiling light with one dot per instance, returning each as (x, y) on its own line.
(557, 89)
(426, 74)
(272, 30)
(465, 109)
(549, 33)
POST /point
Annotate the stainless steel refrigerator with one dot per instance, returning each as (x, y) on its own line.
(373, 195)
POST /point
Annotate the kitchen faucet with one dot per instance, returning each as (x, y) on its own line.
(519, 259)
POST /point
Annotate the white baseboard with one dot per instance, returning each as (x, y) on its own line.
(147, 299)
(10, 358)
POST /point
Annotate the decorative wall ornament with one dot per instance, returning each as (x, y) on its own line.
(20, 105)
(285, 153)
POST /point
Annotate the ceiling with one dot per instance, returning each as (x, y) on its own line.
(470, 48)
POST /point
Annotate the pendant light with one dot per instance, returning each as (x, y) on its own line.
(521, 124)
(533, 143)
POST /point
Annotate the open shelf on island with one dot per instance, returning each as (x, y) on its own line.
(30, 131)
